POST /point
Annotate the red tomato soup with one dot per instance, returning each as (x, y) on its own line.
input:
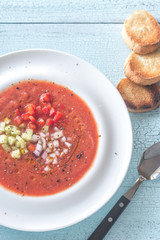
(48, 138)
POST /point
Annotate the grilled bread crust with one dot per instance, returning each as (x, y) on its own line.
(143, 69)
(141, 32)
(139, 98)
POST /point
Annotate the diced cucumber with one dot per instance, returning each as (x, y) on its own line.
(11, 140)
(8, 129)
(21, 141)
(17, 144)
(29, 132)
(16, 154)
(3, 139)
(14, 148)
(2, 126)
(23, 144)
(45, 129)
(6, 147)
(15, 131)
(27, 136)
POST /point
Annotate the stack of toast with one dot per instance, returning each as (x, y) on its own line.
(140, 89)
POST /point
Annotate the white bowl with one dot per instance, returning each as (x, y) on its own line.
(114, 151)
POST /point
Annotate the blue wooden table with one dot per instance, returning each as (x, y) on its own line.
(90, 29)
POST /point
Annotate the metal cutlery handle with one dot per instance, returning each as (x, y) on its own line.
(110, 219)
(115, 212)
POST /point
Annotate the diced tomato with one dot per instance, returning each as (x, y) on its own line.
(39, 110)
(31, 147)
(18, 119)
(32, 119)
(49, 121)
(57, 116)
(48, 106)
(31, 108)
(25, 116)
(45, 110)
(45, 97)
(32, 125)
(52, 112)
(40, 122)
(17, 112)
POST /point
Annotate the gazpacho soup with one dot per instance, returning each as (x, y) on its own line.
(48, 138)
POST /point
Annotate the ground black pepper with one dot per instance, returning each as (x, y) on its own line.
(80, 155)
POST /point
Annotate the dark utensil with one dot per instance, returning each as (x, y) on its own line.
(148, 169)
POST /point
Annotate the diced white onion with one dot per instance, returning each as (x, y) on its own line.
(48, 150)
(40, 142)
(68, 144)
(69, 139)
(51, 151)
(39, 147)
(42, 135)
(54, 161)
(48, 160)
(62, 153)
(35, 138)
(44, 143)
(47, 168)
(56, 129)
(65, 150)
(58, 135)
(56, 143)
(57, 153)
(44, 155)
(50, 145)
(36, 153)
(63, 139)
(53, 155)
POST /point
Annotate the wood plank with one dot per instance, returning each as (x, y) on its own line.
(78, 11)
(101, 45)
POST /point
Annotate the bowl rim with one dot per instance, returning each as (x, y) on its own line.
(130, 145)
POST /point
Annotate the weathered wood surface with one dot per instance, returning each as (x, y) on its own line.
(73, 11)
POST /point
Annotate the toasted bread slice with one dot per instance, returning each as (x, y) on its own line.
(143, 69)
(139, 98)
(141, 32)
